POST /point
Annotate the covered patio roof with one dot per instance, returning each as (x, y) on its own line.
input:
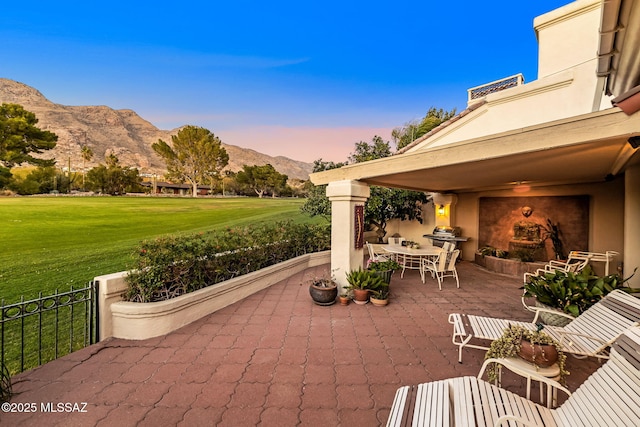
(588, 148)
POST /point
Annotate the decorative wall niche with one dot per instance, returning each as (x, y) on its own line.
(501, 218)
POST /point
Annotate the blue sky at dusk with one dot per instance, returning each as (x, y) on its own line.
(306, 80)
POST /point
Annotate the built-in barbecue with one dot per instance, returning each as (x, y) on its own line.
(444, 233)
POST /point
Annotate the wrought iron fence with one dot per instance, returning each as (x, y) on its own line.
(37, 331)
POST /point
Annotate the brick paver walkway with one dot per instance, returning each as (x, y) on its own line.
(276, 359)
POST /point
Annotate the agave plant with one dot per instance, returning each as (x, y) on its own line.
(364, 279)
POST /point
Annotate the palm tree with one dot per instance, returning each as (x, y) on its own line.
(87, 155)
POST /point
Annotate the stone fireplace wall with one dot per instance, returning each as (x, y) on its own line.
(498, 215)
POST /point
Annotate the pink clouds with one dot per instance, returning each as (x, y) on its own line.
(302, 143)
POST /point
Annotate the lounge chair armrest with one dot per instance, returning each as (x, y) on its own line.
(538, 310)
(552, 311)
(568, 335)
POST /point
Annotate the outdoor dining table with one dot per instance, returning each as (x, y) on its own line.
(411, 258)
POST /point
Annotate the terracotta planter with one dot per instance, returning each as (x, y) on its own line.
(344, 300)
(361, 296)
(540, 355)
(379, 302)
(323, 295)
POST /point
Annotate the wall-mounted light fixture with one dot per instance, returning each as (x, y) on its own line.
(441, 210)
(521, 187)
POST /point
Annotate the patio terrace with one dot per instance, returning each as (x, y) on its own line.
(276, 359)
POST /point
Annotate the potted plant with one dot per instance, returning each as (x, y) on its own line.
(380, 297)
(361, 282)
(383, 269)
(323, 290)
(552, 231)
(570, 293)
(344, 299)
(533, 346)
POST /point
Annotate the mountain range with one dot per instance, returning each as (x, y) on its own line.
(121, 132)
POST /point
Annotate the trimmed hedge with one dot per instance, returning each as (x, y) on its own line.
(171, 266)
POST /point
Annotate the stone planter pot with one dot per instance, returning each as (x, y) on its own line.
(550, 318)
(323, 295)
(542, 355)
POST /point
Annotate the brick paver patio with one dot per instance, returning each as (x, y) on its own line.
(276, 359)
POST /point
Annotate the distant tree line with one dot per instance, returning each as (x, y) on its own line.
(195, 156)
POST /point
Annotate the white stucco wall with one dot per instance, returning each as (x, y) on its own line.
(567, 84)
(567, 36)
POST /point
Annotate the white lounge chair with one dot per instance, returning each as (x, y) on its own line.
(609, 397)
(574, 264)
(589, 334)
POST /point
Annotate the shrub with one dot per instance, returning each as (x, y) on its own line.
(570, 292)
(171, 266)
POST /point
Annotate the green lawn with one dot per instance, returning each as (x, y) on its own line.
(50, 243)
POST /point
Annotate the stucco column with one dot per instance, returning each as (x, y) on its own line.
(344, 196)
(632, 224)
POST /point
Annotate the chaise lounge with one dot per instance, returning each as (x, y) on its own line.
(609, 397)
(589, 334)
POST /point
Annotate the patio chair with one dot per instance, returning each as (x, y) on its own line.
(448, 246)
(589, 334)
(442, 266)
(375, 256)
(609, 397)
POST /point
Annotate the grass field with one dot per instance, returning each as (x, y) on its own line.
(50, 243)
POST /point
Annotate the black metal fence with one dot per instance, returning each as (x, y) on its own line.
(40, 330)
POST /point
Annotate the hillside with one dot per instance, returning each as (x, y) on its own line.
(121, 132)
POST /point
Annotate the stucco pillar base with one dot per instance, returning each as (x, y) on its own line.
(344, 196)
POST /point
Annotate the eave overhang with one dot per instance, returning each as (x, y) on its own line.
(588, 148)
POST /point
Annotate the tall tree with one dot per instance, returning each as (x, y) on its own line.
(262, 179)
(383, 204)
(317, 202)
(87, 155)
(196, 155)
(113, 179)
(20, 138)
(413, 130)
(364, 151)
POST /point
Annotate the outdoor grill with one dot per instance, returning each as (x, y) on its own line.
(444, 233)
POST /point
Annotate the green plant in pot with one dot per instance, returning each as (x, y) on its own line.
(384, 269)
(536, 347)
(572, 293)
(380, 297)
(361, 282)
